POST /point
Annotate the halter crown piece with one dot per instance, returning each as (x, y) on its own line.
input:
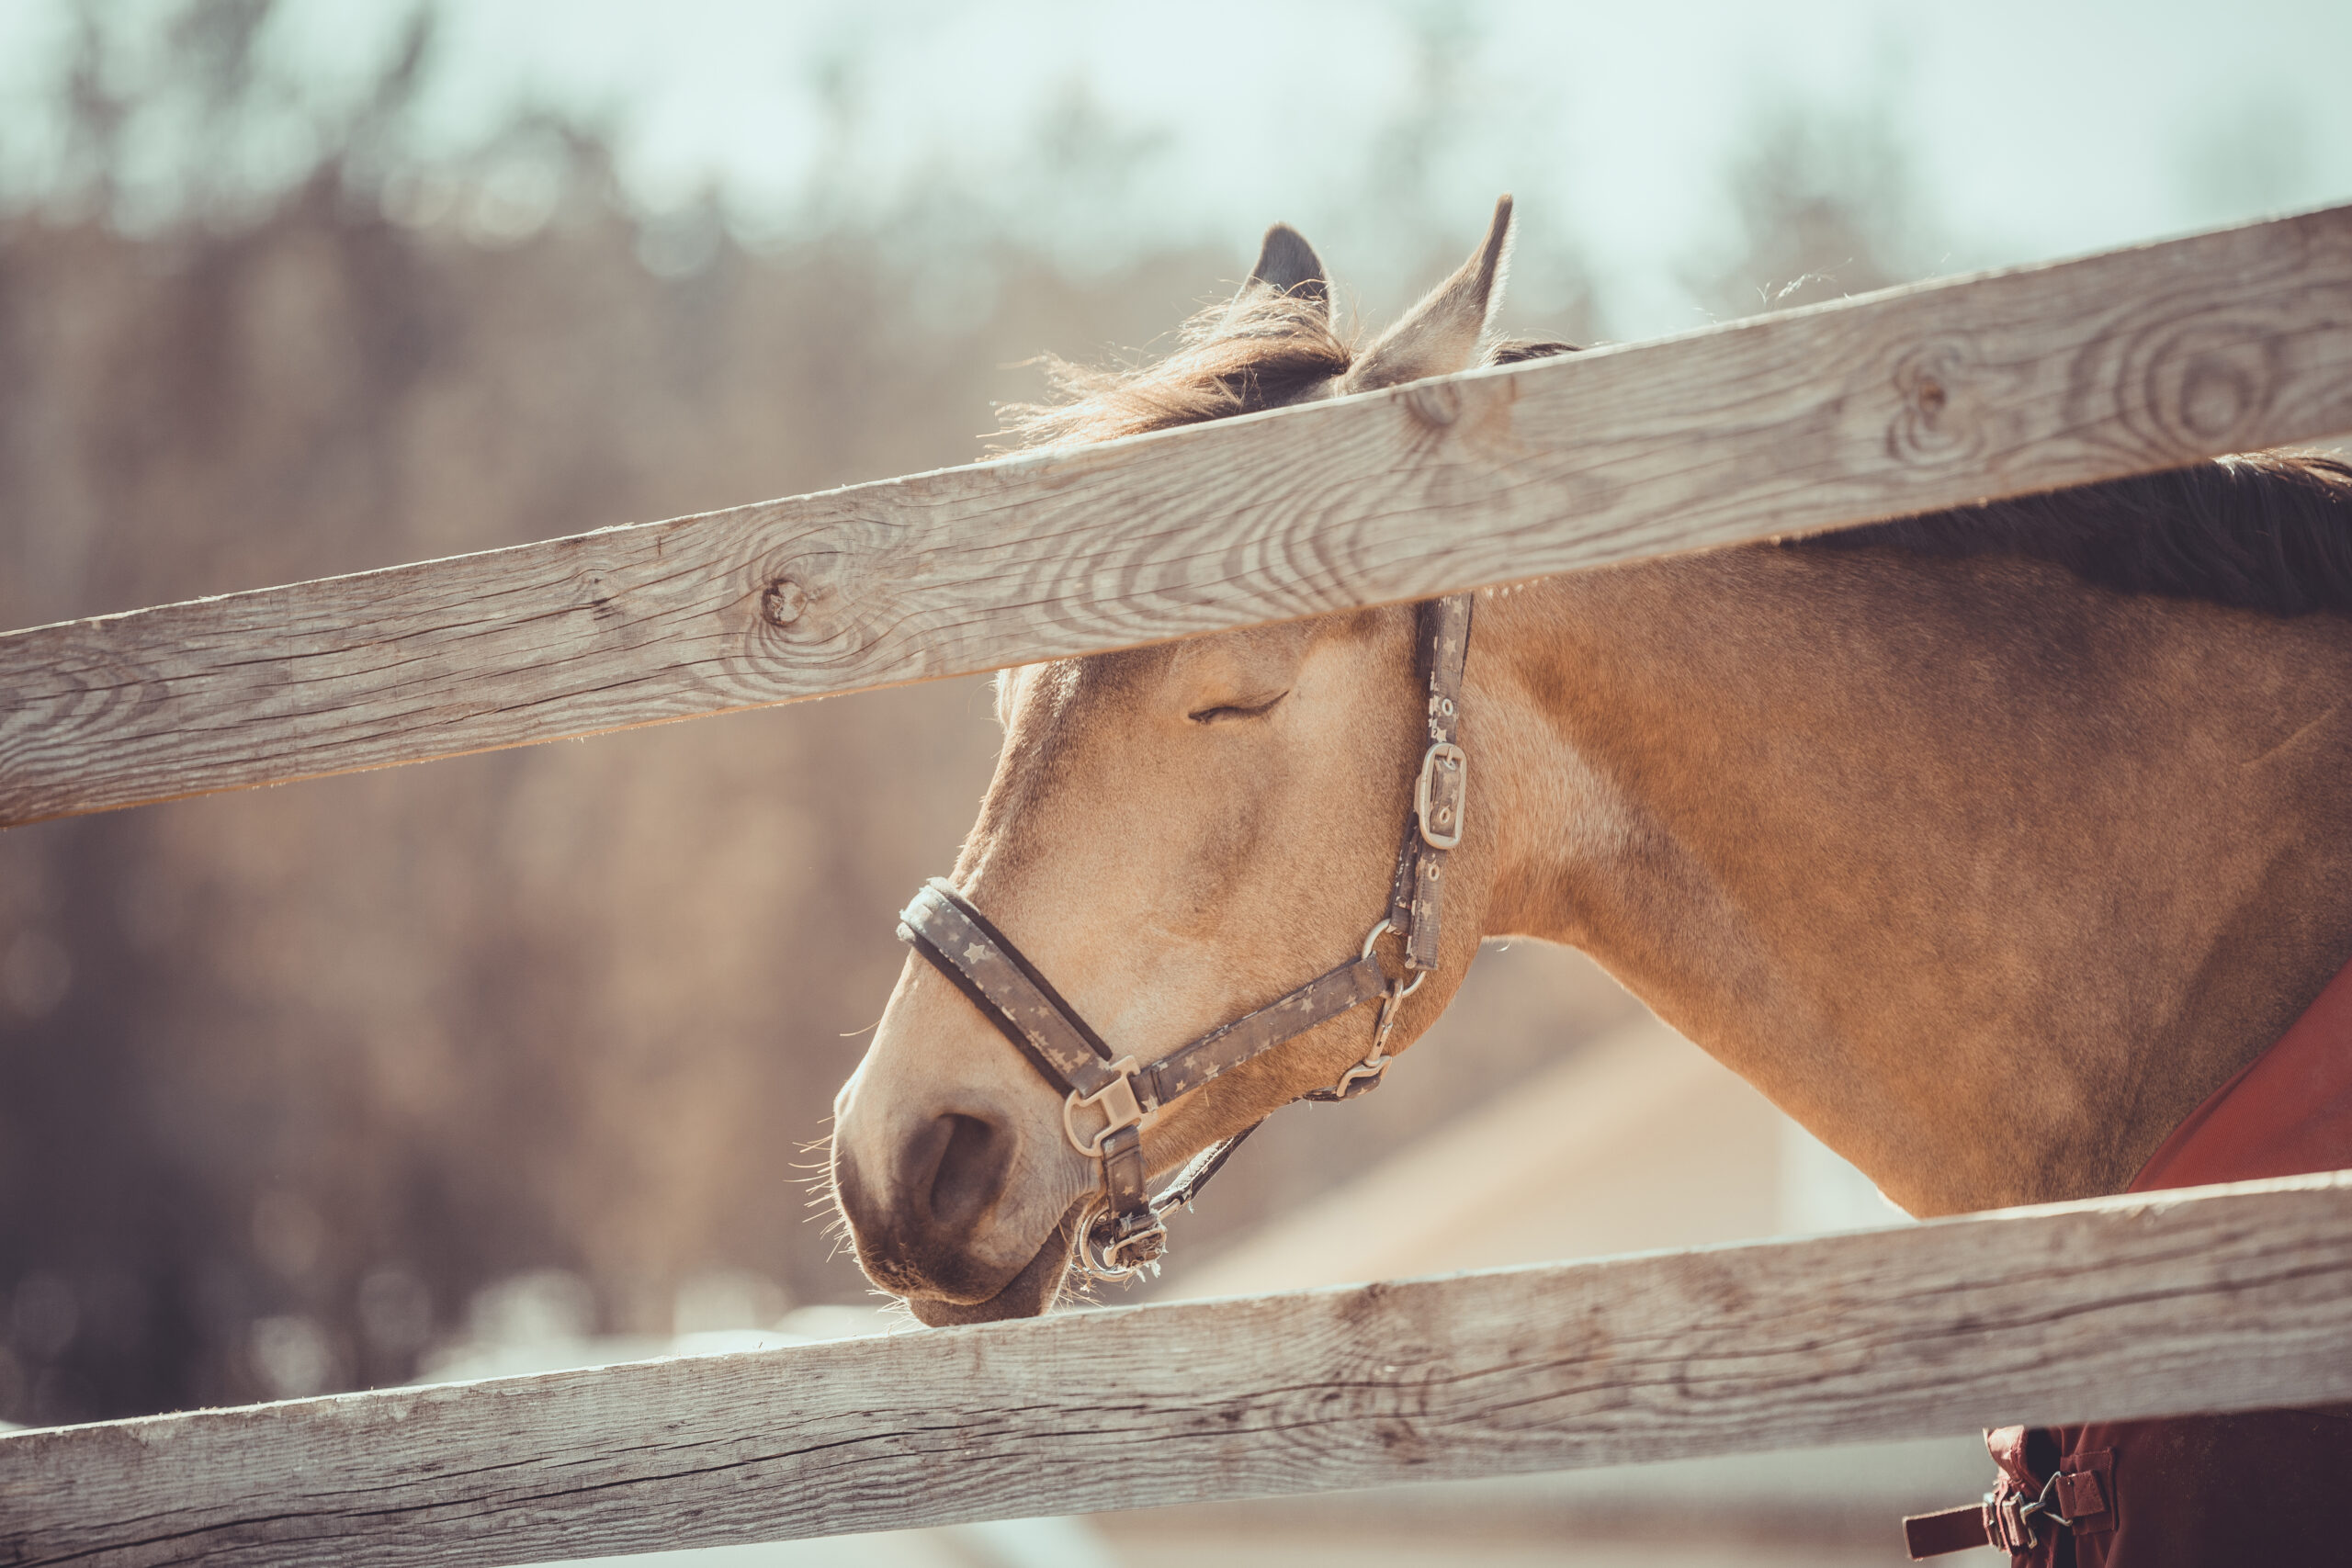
(1110, 1099)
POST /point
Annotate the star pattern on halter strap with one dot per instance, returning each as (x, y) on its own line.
(975, 953)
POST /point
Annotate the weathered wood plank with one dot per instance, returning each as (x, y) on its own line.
(2208, 1300)
(1898, 403)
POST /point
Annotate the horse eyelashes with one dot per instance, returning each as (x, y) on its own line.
(1223, 714)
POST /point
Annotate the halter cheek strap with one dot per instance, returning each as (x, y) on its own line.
(1116, 1097)
(1416, 902)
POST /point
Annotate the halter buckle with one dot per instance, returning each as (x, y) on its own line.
(2009, 1521)
(1440, 795)
(1116, 1101)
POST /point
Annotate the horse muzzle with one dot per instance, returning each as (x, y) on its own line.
(922, 1232)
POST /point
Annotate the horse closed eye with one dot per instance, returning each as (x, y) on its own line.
(1225, 712)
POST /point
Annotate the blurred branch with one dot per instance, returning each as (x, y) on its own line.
(1825, 203)
(159, 124)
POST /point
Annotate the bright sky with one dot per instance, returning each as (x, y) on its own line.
(2038, 128)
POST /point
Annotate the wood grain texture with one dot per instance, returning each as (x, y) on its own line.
(1898, 403)
(2208, 1299)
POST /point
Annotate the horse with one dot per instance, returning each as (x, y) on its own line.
(1989, 844)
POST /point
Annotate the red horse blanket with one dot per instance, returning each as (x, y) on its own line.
(2272, 1487)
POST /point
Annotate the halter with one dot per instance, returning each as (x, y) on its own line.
(1124, 1230)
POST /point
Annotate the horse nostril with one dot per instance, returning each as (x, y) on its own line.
(974, 1158)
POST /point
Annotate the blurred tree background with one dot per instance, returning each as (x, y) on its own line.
(290, 1078)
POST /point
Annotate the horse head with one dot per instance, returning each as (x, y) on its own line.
(1174, 837)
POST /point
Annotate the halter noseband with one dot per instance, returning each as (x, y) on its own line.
(1125, 1231)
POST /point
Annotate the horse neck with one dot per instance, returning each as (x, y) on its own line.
(1985, 875)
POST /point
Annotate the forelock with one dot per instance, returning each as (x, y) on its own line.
(1265, 350)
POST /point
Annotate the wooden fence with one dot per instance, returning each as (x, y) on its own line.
(2209, 1298)
(2212, 1300)
(1901, 402)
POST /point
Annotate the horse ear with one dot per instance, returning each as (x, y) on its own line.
(1441, 335)
(1288, 265)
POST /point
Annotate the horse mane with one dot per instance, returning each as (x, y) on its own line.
(2268, 531)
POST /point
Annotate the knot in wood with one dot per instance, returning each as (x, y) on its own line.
(1936, 422)
(2204, 386)
(784, 602)
(2216, 392)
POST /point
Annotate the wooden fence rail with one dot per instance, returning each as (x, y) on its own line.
(1902, 402)
(2210, 1299)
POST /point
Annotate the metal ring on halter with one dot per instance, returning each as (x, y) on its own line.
(1108, 1266)
(1372, 938)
